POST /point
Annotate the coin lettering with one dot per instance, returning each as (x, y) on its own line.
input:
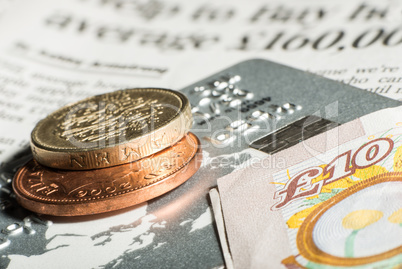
(78, 161)
(151, 176)
(110, 189)
(130, 152)
(96, 192)
(81, 193)
(102, 158)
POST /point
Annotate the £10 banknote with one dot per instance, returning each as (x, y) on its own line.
(331, 201)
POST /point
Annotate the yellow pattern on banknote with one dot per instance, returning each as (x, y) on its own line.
(347, 211)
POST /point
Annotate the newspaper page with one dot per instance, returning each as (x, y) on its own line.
(4, 4)
(56, 52)
(337, 209)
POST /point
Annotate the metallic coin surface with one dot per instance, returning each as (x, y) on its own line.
(111, 129)
(73, 193)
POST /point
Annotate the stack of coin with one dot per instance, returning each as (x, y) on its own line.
(109, 152)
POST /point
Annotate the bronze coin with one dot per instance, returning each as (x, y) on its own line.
(73, 193)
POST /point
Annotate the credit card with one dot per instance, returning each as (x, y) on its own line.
(246, 111)
(255, 100)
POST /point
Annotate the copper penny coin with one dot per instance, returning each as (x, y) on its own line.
(74, 193)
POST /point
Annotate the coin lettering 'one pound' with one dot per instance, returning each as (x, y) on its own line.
(111, 129)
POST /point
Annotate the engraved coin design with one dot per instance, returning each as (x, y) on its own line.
(112, 116)
(72, 193)
(111, 129)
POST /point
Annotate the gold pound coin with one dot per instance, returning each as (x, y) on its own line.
(111, 129)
